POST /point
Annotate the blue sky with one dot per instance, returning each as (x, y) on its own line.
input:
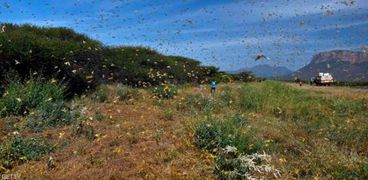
(226, 34)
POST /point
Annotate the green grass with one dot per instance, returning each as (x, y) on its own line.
(328, 116)
(213, 134)
(320, 135)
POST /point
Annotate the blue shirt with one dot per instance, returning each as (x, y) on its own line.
(213, 84)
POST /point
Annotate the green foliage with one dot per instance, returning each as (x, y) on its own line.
(58, 53)
(213, 134)
(166, 91)
(20, 98)
(51, 114)
(83, 63)
(42, 102)
(145, 67)
(18, 149)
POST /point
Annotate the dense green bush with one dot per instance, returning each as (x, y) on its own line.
(17, 149)
(41, 102)
(20, 98)
(145, 67)
(213, 134)
(58, 53)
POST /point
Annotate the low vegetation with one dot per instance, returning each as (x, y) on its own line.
(17, 149)
(165, 91)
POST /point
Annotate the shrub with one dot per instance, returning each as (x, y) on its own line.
(166, 92)
(52, 114)
(19, 98)
(101, 94)
(58, 53)
(213, 134)
(18, 149)
(126, 93)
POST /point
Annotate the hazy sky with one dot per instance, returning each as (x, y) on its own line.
(226, 34)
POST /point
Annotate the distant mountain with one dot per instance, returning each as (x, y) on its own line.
(342, 64)
(266, 71)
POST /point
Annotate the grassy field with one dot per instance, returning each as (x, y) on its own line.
(261, 129)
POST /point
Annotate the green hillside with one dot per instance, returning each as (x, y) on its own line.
(82, 63)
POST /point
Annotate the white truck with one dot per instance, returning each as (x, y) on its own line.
(322, 79)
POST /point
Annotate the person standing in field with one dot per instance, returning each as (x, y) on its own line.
(213, 86)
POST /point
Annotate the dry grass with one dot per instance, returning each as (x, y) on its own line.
(138, 141)
(131, 142)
